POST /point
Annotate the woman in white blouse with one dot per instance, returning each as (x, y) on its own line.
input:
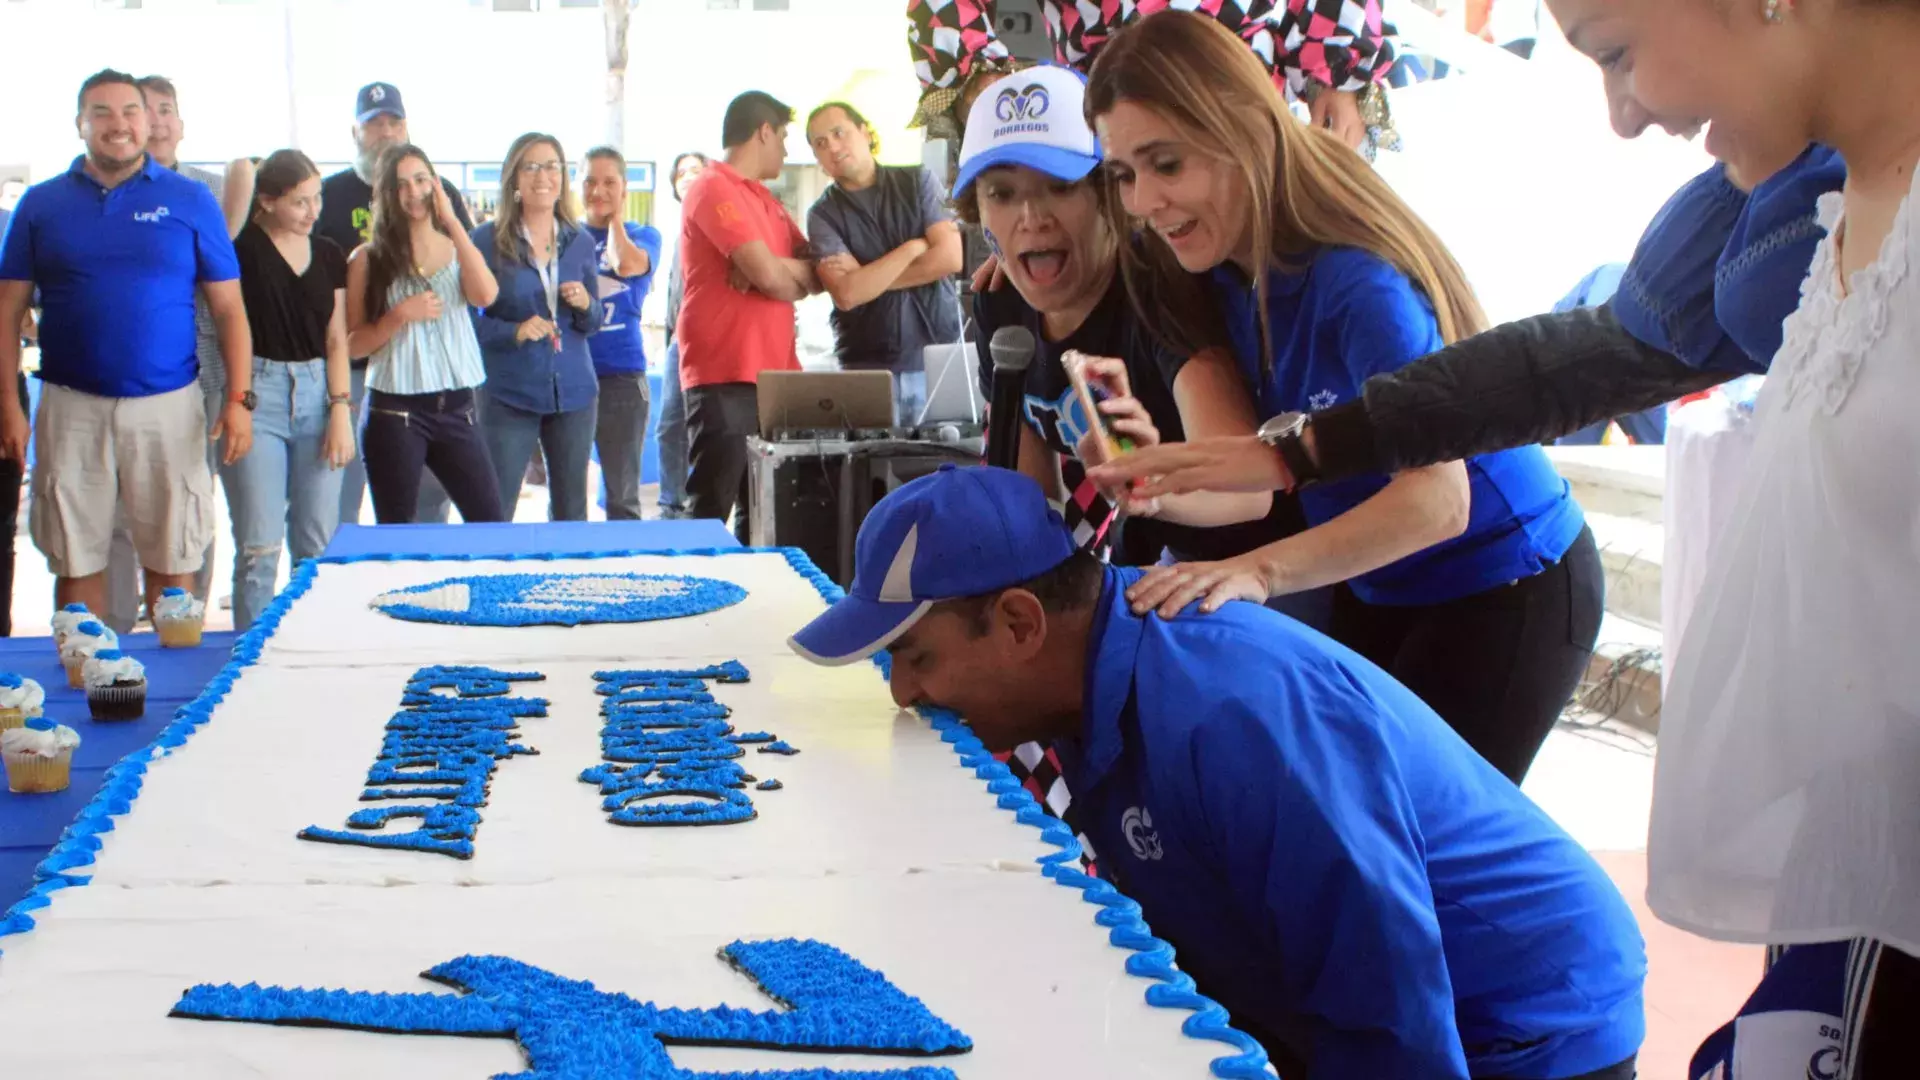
(1787, 798)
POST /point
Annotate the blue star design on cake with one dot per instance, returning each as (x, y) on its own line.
(558, 599)
(569, 1030)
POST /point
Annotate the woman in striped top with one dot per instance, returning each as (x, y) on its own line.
(408, 289)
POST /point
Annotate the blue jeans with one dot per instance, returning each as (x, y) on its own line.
(671, 437)
(283, 493)
(909, 397)
(620, 434)
(565, 438)
(434, 504)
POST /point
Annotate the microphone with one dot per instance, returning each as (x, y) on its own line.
(1012, 350)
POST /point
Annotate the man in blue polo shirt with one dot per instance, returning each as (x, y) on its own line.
(1331, 862)
(119, 246)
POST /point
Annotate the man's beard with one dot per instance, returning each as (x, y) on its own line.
(369, 160)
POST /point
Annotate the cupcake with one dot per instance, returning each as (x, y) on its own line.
(39, 756)
(116, 686)
(65, 620)
(86, 639)
(20, 700)
(179, 617)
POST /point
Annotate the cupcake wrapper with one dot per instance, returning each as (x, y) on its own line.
(117, 702)
(12, 718)
(29, 774)
(179, 633)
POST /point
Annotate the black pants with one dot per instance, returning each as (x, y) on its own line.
(1498, 666)
(719, 419)
(12, 477)
(1882, 1021)
(441, 432)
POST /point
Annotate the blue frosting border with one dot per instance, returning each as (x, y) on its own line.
(1151, 958)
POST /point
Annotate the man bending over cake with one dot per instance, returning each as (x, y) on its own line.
(1364, 893)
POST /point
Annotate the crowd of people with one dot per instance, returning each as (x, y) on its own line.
(1283, 652)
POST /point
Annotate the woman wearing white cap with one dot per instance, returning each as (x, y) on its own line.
(1023, 177)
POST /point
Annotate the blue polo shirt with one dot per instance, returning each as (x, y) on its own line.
(533, 376)
(1334, 865)
(1350, 315)
(117, 273)
(617, 348)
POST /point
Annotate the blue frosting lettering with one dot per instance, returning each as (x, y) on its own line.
(670, 753)
(443, 749)
(833, 1004)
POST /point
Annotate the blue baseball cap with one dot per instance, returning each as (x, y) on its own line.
(951, 534)
(377, 98)
(1035, 118)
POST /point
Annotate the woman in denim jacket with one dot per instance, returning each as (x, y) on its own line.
(533, 337)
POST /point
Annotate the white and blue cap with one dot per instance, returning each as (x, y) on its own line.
(951, 534)
(1035, 118)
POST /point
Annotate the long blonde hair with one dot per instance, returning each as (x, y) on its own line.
(1304, 188)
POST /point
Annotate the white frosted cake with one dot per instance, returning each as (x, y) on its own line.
(410, 771)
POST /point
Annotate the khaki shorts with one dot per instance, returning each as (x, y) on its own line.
(145, 457)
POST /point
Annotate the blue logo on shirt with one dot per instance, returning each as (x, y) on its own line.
(1061, 422)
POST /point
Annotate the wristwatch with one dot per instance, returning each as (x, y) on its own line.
(1284, 433)
(248, 400)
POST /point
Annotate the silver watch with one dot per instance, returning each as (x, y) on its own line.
(1285, 433)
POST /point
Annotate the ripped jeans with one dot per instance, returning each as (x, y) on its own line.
(283, 490)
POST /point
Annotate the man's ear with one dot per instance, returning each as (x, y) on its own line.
(1019, 616)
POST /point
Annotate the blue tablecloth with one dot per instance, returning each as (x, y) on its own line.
(559, 537)
(31, 824)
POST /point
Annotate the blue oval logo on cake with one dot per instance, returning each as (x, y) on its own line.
(558, 599)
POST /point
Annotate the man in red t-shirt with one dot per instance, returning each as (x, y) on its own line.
(745, 264)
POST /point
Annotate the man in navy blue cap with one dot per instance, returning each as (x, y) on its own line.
(1331, 862)
(346, 218)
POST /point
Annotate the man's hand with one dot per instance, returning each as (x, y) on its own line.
(420, 307)
(236, 426)
(1339, 112)
(13, 433)
(533, 329)
(1226, 463)
(737, 280)
(1171, 588)
(575, 295)
(991, 275)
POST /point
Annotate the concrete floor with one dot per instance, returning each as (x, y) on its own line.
(1596, 781)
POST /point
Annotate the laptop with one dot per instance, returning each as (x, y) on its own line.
(953, 387)
(824, 401)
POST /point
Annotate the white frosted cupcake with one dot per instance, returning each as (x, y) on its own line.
(65, 620)
(116, 686)
(179, 618)
(87, 638)
(39, 756)
(21, 699)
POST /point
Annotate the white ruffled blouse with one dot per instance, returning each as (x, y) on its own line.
(1787, 795)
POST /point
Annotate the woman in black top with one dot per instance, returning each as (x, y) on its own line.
(294, 286)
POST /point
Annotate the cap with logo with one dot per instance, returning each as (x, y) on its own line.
(1035, 118)
(951, 534)
(377, 98)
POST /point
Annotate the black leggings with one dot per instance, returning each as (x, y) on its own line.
(1498, 666)
(408, 432)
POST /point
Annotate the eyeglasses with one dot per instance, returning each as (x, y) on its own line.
(535, 168)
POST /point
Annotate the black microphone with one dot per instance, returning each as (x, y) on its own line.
(1012, 351)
